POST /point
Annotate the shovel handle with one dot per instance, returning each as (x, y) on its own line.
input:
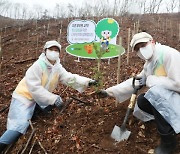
(133, 96)
(69, 101)
(123, 126)
(130, 106)
(132, 100)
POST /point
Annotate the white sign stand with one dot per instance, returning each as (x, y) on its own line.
(77, 60)
(109, 61)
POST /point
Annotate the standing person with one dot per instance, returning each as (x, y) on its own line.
(36, 87)
(161, 74)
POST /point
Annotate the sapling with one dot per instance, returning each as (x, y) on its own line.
(98, 74)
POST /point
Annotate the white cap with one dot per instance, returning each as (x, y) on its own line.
(140, 37)
(49, 44)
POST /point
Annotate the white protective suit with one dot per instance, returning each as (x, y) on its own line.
(36, 87)
(163, 79)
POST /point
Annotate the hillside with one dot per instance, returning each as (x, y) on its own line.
(83, 127)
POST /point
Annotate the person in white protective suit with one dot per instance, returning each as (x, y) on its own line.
(36, 88)
(161, 74)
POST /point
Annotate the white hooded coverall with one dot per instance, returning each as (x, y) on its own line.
(163, 79)
(36, 87)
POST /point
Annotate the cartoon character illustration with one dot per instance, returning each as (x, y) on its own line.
(105, 39)
(88, 48)
(106, 29)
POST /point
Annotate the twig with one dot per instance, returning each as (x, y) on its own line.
(95, 146)
(91, 93)
(41, 146)
(5, 108)
(30, 138)
(37, 138)
(86, 103)
(22, 61)
(64, 90)
(10, 147)
(31, 125)
(32, 146)
(142, 150)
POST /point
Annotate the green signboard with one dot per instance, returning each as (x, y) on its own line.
(86, 50)
(83, 34)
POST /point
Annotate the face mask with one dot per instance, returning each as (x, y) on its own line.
(145, 52)
(52, 55)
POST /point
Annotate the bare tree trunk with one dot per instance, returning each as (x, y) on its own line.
(115, 8)
(119, 62)
(128, 42)
(28, 35)
(37, 46)
(179, 32)
(173, 5)
(48, 29)
(0, 55)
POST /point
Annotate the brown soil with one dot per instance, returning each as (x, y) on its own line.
(82, 128)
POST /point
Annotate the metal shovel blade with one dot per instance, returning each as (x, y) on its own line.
(120, 134)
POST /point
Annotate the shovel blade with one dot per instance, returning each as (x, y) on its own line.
(120, 134)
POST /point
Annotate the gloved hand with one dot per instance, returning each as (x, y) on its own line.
(59, 103)
(102, 94)
(93, 83)
(142, 81)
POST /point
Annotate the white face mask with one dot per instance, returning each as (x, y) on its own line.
(52, 55)
(146, 52)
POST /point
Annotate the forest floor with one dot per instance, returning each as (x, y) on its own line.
(82, 127)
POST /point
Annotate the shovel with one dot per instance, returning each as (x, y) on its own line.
(121, 133)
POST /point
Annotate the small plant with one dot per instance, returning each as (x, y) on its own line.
(98, 75)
